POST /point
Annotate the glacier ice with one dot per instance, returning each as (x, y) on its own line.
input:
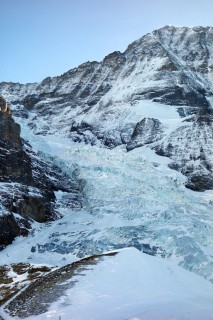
(131, 199)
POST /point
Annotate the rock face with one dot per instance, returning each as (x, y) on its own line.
(103, 102)
(13, 155)
(145, 132)
(190, 148)
(26, 184)
(10, 229)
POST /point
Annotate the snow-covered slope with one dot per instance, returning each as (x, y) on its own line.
(127, 285)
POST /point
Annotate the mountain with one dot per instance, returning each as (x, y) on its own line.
(101, 101)
(99, 158)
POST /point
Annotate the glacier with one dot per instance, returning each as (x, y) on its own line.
(131, 199)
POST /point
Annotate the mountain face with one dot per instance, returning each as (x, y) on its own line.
(102, 102)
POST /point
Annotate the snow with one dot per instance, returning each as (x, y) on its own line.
(17, 277)
(132, 285)
(157, 110)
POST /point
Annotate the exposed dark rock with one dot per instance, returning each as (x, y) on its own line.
(190, 148)
(10, 286)
(36, 208)
(15, 165)
(200, 182)
(146, 131)
(177, 96)
(9, 229)
(30, 101)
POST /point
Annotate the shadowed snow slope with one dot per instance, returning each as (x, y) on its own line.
(129, 285)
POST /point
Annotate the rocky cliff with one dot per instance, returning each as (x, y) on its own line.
(15, 163)
(27, 182)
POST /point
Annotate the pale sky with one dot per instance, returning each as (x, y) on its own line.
(41, 38)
